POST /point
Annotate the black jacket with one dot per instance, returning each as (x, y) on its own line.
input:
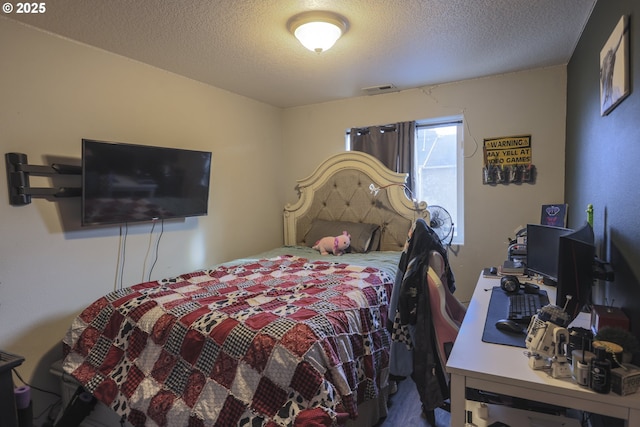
(413, 305)
(423, 240)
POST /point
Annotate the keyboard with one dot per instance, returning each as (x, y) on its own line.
(522, 307)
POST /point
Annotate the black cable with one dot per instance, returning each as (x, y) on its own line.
(119, 262)
(157, 247)
(144, 265)
(124, 248)
(17, 374)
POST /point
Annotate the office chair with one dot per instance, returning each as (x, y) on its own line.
(447, 314)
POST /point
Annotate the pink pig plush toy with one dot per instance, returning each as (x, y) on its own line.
(336, 245)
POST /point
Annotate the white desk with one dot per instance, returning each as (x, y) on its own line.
(504, 369)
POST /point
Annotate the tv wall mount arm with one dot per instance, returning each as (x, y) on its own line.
(18, 171)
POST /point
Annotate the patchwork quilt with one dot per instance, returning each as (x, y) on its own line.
(283, 341)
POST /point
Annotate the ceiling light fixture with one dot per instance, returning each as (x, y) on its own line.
(317, 30)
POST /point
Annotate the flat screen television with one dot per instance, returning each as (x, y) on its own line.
(576, 256)
(543, 242)
(123, 183)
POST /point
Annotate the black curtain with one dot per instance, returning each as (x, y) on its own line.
(392, 144)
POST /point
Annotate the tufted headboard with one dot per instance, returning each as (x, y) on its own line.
(338, 190)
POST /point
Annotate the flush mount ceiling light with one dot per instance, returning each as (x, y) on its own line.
(317, 30)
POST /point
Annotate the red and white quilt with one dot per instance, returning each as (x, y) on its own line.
(272, 342)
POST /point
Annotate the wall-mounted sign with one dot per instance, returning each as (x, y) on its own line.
(508, 160)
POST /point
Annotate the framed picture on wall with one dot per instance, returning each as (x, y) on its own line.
(614, 67)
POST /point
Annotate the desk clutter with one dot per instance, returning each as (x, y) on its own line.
(501, 376)
(563, 350)
(578, 354)
(603, 316)
(593, 357)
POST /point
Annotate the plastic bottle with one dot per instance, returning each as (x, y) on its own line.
(600, 372)
(590, 214)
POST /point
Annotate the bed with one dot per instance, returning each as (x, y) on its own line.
(287, 337)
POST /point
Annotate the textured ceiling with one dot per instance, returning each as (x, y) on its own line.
(243, 46)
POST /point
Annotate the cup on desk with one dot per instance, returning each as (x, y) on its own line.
(579, 339)
(580, 362)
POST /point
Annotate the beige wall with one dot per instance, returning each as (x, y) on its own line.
(530, 102)
(55, 92)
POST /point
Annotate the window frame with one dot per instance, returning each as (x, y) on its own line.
(458, 120)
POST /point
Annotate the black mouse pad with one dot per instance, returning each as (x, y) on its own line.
(498, 306)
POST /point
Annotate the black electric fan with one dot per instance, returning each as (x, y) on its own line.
(441, 222)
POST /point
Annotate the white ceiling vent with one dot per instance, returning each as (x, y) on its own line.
(376, 90)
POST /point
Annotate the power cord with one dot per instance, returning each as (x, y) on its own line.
(146, 257)
(121, 257)
(157, 248)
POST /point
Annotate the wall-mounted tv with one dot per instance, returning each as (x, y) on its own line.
(123, 183)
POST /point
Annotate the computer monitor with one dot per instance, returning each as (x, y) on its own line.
(575, 270)
(542, 251)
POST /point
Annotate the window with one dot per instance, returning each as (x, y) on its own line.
(438, 167)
